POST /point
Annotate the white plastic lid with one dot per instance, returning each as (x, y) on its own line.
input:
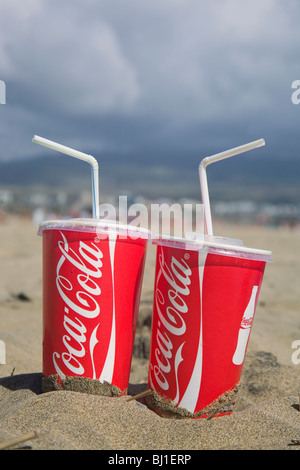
(215, 245)
(100, 226)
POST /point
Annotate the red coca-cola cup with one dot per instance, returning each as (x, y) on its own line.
(205, 296)
(92, 278)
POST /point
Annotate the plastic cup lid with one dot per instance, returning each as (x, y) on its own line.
(216, 245)
(100, 226)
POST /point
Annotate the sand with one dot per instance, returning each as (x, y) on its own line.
(266, 415)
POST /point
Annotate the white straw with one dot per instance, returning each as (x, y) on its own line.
(82, 156)
(203, 179)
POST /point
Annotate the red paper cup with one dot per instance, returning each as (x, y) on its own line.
(204, 302)
(92, 278)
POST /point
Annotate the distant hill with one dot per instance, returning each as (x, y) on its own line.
(242, 178)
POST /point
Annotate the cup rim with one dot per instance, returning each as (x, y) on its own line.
(209, 244)
(91, 224)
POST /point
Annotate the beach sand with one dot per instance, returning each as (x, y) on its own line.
(266, 414)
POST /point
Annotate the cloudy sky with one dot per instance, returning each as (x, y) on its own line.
(149, 79)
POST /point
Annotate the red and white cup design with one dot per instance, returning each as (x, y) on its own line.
(204, 303)
(92, 281)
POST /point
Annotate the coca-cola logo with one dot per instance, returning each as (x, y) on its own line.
(246, 322)
(80, 296)
(171, 308)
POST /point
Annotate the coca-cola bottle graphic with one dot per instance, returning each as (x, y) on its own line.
(245, 328)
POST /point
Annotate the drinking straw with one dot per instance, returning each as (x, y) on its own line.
(203, 178)
(82, 156)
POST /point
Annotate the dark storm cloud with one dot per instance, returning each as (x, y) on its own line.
(169, 77)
